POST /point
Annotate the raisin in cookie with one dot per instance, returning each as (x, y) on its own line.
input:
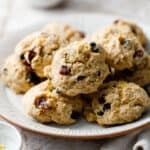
(17, 76)
(134, 28)
(66, 32)
(123, 49)
(38, 48)
(79, 68)
(119, 102)
(46, 104)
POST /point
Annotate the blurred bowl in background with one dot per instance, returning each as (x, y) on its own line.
(44, 3)
(10, 137)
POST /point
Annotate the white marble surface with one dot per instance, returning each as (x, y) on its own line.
(15, 14)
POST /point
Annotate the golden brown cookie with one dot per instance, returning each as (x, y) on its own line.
(79, 68)
(45, 104)
(134, 28)
(17, 76)
(119, 102)
(123, 49)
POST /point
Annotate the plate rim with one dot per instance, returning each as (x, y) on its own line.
(85, 137)
(82, 137)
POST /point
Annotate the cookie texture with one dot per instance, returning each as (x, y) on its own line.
(34, 54)
(45, 104)
(37, 50)
(119, 102)
(39, 47)
(15, 75)
(88, 112)
(79, 68)
(66, 32)
(134, 28)
(123, 49)
(139, 74)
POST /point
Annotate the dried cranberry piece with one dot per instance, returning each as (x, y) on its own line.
(82, 34)
(29, 68)
(75, 115)
(31, 55)
(33, 77)
(100, 113)
(102, 99)
(116, 21)
(106, 106)
(41, 101)
(138, 53)
(64, 70)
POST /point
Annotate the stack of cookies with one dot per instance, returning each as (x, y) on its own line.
(66, 76)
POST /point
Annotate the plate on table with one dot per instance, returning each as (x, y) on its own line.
(10, 104)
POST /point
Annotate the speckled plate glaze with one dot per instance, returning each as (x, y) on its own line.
(10, 104)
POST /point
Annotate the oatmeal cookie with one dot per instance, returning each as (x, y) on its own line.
(79, 68)
(139, 74)
(135, 29)
(119, 102)
(45, 104)
(123, 49)
(38, 49)
(66, 32)
(17, 76)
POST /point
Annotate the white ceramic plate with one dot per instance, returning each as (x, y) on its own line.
(10, 104)
(10, 136)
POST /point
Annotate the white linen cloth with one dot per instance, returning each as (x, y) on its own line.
(139, 140)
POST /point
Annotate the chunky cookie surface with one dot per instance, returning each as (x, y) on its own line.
(34, 55)
(123, 49)
(45, 104)
(139, 74)
(118, 102)
(39, 47)
(37, 50)
(66, 32)
(134, 28)
(17, 76)
(79, 68)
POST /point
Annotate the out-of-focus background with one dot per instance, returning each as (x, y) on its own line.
(15, 14)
